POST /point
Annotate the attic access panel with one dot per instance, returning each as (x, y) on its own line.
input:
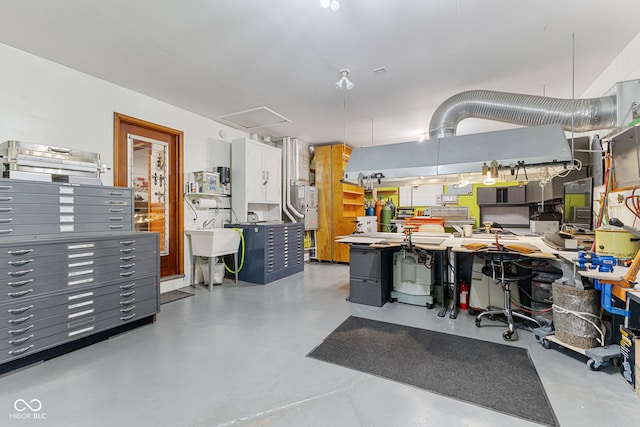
(253, 118)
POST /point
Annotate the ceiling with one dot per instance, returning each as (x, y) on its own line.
(220, 57)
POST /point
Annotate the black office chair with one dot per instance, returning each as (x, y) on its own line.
(498, 267)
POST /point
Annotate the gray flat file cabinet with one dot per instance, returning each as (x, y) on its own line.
(29, 208)
(370, 275)
(58, 290)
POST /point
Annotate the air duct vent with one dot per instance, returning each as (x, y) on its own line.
(253, 118)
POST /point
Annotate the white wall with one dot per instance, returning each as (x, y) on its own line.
(626, 66)
(46, 103)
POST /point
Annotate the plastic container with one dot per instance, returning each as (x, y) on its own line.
(218, 273)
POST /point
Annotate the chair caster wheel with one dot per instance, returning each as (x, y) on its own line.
(509, 336)
(477, 323)
(430, 306)
(591, 364)
(545, 343)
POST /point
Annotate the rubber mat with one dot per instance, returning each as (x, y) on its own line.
(495, 376)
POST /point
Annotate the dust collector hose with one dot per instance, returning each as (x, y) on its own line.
(579, 115)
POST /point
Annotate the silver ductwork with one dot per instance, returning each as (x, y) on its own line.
(526, 146)
(541, 144)
(579, 115)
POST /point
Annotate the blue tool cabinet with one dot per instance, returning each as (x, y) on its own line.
(272, 251)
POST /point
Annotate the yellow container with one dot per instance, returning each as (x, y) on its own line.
(616, 242)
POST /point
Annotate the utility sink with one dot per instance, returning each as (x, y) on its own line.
(214, 241)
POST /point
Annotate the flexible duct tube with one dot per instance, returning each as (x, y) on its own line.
(580, 115)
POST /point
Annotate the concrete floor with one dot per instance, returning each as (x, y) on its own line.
(236, 356)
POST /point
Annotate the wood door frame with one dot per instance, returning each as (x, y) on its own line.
(118, 155)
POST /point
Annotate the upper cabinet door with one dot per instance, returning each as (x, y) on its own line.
(256, 177)
(486, 196)
(271, 163)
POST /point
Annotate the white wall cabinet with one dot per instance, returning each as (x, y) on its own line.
(256, 180)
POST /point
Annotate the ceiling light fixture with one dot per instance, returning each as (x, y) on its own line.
(334, 4)
(344, 83)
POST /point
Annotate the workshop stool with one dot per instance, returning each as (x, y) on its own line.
(498, 267)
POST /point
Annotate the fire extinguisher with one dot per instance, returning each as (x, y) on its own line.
(464, 296)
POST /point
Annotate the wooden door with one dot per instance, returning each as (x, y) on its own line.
(162, 211)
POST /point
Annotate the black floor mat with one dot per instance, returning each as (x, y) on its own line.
(167, 297)
(495, 376)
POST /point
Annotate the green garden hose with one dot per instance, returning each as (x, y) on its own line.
(239, 231)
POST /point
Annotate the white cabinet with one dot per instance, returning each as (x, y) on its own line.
(271, 163)
(256, 180)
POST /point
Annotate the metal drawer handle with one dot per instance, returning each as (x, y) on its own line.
(129, 302)
(116, 193)
(21, 262)
(19, 294)
(127, 258)
(116, 210)
(19, 273)
(129, 317)
(7, 231)
(20, 320)
(20, 283)
(19, 310)
(116, 202)
(22, 350)
(6, 220)
(6, 209)
(133, 264)
(60, 150)
(127, 294)
(128, 242)
(129, 286)
(127, 250)
(126, 310)
(6, 187)
(20, 331)
(116, 218)
(20, 252)
(127, 273)
(6, 199)
(21, 340)
(116, 227)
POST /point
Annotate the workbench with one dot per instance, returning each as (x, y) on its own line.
(449, 246)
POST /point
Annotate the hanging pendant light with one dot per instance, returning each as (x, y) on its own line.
(333, 4)
(344, 83)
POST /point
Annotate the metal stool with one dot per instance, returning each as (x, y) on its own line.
(498, 267)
